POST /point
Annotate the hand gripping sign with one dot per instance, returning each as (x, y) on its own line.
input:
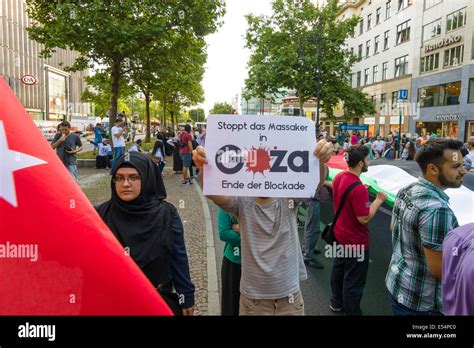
(260, 156)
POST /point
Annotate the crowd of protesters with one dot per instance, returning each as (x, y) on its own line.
(264, 259)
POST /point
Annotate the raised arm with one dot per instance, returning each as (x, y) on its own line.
(200, 160)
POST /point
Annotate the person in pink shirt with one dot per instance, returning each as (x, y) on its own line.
(354, 139)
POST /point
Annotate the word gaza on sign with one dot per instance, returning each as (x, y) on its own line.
(260, 156)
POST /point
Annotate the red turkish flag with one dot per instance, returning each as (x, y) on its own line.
(57, 257)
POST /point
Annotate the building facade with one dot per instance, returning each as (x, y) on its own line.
(443, 83)
(48, 93)
(384, 42)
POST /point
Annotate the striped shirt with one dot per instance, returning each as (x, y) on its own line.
(272, 262)
(421, 218)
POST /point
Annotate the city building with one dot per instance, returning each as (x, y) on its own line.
(384, 41)
(48, 93)
(443, 78)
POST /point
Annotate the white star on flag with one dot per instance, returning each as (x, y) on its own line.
(10, 162)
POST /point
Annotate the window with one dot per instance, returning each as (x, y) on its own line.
(456, 20)
(403, 32)
(431, 3)
(361, 26)
(352, 50)
(367, 49)
(384, 71)
(470, 98)
(432, 30)
(369, 21)
(429, 63)
(440, 95)
(360, 51)
(394, 99)
(376, 44)
(366, 77)
(383, 101)
(386, 38)
(388, 9)
(375, 73)
(454, 56)
(378, 14)
(374, 100)
(401, 66)
(358, 78)
(403, 4)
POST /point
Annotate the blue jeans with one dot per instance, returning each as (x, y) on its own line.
(348, 281)
(311, 228)
(72, 168)
(400, 310)
(118, 151)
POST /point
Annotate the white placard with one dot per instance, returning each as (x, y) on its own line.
(260, 156)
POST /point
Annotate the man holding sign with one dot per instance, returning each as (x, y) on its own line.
(272, 261)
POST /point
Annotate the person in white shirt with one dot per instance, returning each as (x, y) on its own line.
(136, 147)
(118, 140)
(102, 159)
(378, 146)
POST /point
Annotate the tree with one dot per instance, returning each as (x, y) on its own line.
(98, 92)
(110, 33)
(221, 109)
(299, 43)
(197, 115)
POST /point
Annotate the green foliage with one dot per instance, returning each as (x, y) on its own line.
(197, 115)
(299, 40)
(221, 109)
(113, 33)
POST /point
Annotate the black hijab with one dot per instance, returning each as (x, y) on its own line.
(146, 221)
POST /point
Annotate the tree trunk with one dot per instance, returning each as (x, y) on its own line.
(172, 119)
(114, 91)
(147, 105)
(302, 107)
(165, 119)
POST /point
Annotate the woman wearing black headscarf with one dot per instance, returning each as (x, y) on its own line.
(150, 228)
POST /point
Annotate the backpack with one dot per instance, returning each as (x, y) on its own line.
(168, 149)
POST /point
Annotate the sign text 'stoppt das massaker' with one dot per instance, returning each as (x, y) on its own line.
(261, 156)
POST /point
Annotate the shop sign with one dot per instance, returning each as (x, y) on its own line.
(443, 43)
(369, 120)
(448, 117)
(29, 79)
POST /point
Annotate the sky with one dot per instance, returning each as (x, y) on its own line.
(226, 68)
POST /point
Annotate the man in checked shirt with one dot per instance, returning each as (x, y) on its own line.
(420, 221)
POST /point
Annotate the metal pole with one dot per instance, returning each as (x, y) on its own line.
(318, 78)
(400, 134)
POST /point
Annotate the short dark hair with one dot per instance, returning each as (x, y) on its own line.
(65, 124)
(355, 154)
(187, 127)
(433, 152)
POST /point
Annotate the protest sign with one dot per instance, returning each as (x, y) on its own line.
(261, 156)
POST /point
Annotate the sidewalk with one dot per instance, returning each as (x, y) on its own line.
(196, 220)
(188, 202)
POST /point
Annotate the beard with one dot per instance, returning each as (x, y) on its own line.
(450, 184)
(365, 168)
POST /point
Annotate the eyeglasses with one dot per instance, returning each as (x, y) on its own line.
(121, 179)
